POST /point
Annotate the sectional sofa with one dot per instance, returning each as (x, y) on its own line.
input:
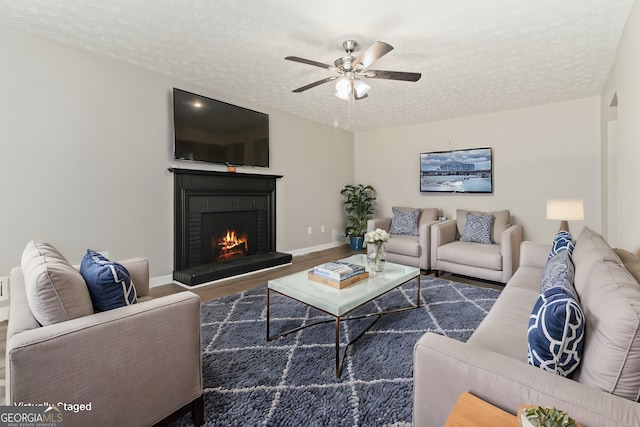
(602, 391)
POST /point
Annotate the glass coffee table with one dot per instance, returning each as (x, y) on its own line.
(340, 302)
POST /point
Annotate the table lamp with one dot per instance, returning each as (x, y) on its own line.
(565, 210)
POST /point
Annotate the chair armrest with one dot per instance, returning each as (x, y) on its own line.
(510, 249)
(442, 232)
(424, 239)
(534, 254)
(383, 223)
(444, 368)
(135, 364)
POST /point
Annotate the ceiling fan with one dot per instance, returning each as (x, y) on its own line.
(351, 70)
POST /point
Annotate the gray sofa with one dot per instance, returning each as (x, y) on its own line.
(492, 364)
(136, 365)
(407, 249)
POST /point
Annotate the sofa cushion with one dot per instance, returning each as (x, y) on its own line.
(477, 228)
(109, 283)
(556, 332)
(610, 299)
(562, 242)
(56, 291)
(559, 271)
(630, 262)
(468, 253)
(590, 248)
(501, 221)
(404, 223)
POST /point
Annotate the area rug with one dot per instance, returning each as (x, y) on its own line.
(291, 381)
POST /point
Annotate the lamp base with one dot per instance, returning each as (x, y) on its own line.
(564, 226)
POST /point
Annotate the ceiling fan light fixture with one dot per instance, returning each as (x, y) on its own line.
(361, 88)
(343, 88)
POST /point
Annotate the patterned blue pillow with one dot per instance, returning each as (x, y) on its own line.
(562, 242)
(556, 332)
(109, 283)
(405, 223)
(477, 228)
(559, 271)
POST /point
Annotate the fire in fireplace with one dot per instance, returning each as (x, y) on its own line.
(229, 235)
(231, 245)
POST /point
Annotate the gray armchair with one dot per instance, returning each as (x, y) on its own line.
(136, 365)
(411, 250)
(496, 261)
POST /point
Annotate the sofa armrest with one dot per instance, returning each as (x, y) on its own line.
(534, 254)
(383, 223)
(510, 248)
(134, 364)
(442, 232)
(444, 368)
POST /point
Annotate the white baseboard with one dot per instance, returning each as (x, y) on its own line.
(165, 280)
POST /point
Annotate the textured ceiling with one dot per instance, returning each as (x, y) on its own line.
(475, 56)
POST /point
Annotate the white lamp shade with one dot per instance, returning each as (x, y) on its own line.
(343, 88)
(361, 88)
(565, 209)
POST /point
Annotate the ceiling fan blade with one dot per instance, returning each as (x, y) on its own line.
(372, 54)
(309, 62)
(393, 75)
(314, 84)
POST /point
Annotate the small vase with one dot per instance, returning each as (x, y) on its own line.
(376, 256)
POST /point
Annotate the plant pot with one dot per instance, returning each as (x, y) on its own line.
(357, 242)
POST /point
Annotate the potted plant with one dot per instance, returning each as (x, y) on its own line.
(358, 203)
(546, 417)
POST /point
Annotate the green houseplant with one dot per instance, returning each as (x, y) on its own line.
(359, 205)
(547, 417)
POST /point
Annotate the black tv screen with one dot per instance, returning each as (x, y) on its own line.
(208, 130)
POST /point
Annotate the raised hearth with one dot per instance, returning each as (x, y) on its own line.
(224, 225)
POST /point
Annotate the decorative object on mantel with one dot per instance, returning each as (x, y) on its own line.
(537, 416)
(358, 204)
(565, 210)
(231, 168)
(376, 251)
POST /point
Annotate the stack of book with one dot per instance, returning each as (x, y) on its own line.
(338, 274)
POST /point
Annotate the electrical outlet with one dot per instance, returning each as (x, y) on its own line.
(309, 230)
(322, 228)
(4, 288)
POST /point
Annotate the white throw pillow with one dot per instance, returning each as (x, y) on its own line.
(56, 291)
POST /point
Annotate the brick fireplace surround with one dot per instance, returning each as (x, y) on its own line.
(197, 195)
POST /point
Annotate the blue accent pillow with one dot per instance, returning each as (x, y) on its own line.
(109, 283)
(405, 223)
(559, 271)
(562, 242)
(556, 332)
(477, 228)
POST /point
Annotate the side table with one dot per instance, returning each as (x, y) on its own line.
(471, 411)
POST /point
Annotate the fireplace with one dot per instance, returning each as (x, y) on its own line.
(224, 225)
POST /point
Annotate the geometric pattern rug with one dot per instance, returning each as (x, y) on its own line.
(291, 381)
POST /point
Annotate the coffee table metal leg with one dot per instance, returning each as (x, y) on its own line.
(268, 311)
(338, 361)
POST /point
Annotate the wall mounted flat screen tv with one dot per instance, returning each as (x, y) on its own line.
(208, 130)
(457, 171)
